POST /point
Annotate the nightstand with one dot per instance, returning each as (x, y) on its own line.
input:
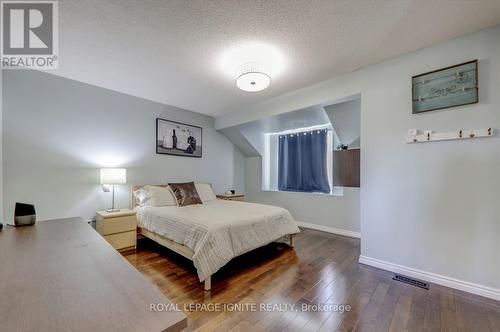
(232, 197)
(118, 228)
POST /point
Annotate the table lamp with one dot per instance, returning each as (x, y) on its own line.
(110, 177)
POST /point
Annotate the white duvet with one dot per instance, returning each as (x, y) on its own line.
(217, 231)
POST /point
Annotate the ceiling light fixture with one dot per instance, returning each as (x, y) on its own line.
(253, 77)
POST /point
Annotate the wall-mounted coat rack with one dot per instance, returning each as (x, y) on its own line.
(450, 135)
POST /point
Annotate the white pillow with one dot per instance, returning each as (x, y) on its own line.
(142, 197)
(205, 192)
(161, 196)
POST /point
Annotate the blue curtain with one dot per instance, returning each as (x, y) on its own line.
(302, 164)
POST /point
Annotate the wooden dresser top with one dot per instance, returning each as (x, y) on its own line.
(61, 275)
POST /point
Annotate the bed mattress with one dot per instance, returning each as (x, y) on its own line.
(217, 231)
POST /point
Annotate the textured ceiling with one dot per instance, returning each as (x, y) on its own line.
(169, 51)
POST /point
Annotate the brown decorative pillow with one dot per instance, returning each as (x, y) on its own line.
(185, 193)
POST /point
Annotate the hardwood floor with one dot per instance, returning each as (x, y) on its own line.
(322, 269)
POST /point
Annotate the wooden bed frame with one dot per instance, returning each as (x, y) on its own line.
(177, 247)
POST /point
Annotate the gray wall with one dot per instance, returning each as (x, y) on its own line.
(340, 212)
(57, 133)
(433, 206)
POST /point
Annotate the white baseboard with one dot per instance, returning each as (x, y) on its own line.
(328, 229)
(465, 286)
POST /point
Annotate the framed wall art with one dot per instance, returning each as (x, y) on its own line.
(179, 139)
(447, 87)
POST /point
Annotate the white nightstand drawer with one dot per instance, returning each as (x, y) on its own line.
(122, 240)
(116, 225)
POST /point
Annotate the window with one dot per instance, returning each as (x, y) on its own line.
(303, 160)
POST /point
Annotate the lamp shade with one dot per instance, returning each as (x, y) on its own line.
(113, 175)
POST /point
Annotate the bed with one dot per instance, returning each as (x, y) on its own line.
(213, 233)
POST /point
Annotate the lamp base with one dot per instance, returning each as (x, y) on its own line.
(113, 210)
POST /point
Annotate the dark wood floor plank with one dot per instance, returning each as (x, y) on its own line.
(322, 268)
(357, 299)
(417, 310)
(402, 311)
(448, 312)
(388, 308)
(477, 317)
(432, 317)
(493, 316)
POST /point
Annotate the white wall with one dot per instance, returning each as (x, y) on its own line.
(59, 132)
(336, 212)
(433, 206)
(346, 120)
(1, 147)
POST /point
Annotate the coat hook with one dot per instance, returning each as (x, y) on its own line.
(489, 131)
(428, 136)
(471, 135)
(460, 133)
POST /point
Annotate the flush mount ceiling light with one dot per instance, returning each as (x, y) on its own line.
(252, 61)
(253, 77)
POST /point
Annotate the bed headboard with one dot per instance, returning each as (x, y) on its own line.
(139, 186)
(133, 203)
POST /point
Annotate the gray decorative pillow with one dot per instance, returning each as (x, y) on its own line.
(185, 193)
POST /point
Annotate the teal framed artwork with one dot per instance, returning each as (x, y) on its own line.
(447, 87)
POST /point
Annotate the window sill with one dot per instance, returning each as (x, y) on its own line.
(337, 191)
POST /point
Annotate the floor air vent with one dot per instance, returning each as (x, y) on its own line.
(411, 281)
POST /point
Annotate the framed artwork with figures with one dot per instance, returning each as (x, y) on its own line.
(178, 139)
